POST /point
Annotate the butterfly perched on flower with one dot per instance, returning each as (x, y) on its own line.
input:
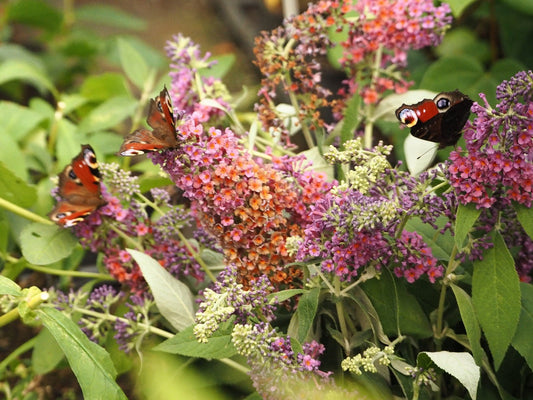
(163, 134)
(437, 122)
(79, 189)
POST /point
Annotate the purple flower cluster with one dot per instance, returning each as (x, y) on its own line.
(498, 168)
(188, 86)
(360, 225)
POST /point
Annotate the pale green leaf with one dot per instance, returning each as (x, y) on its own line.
(525, 217)
(522, 340)
(17, 121)
(108, 114)
(460, 365)
(467, 216)
(14, 189)
(133, 63)
(7, 286)
(173, 298)
(19, 70)
(45, 244)
(90, 363)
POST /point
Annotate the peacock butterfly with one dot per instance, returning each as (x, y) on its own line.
(79, 189)
(439, 120)
(161, 120)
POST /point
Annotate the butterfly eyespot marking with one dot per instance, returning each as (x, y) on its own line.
(72, 175)
(443, 102)
(408, 117)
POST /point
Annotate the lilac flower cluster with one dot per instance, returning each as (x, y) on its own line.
(360, 223)
(228, 298)
(275, 371)
(188, 86)
(499, 165)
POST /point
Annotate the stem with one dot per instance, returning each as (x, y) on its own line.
(33, 302)
(58, 115)
(23, 212)
(53, 271)
(294, 102)
(23, 348)
(442, 298)
(340, 313)
(126, 238)
(235, 365)
(369, 126)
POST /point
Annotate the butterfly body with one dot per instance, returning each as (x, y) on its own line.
(163, 134)
(439, 120)
(79, 189)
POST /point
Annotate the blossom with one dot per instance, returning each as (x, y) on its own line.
(499, 165)
(357, 225)
(249, 207)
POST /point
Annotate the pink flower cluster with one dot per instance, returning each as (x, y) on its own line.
(250, 207)
(499, 163)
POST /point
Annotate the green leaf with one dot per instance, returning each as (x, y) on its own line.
(319, 163)
(7, 286)
(103, 14)
(496, 297)
(284, 295)
(12, 155)
(17, 121)
(46, 353)
(12, 70)
(35, 13)
(108, 114)
(458, 6)
(306, 312)
(14, 189)
(452, 72)
(133, 63)
(221, 68)
(468, 316)
(173, 298)
(441, 244)
(521, 6)
(351, 117)
(525, 217)
(463, 41)
(90, 363)
(467, 216)
(45, 244)
(396, 306)
(460, 365)
(522, 339)
(104, 86)
(218, 346)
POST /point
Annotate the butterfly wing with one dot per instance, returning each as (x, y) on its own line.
(79, 189)
(161, 120)
(454, 119)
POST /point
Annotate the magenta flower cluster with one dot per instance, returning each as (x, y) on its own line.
(498, 168)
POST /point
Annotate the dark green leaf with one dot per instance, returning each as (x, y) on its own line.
(521, 6)
(496, 297)
(395, 305)
(458, 6)
(14, 189)
(90, 363)
(468, 316)
(284, 294)
(522, 339)
(463, 41)
(307, 306)
(525, 217)
(467, 215)
(45, 244)
(185, 343)
(35, 13)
